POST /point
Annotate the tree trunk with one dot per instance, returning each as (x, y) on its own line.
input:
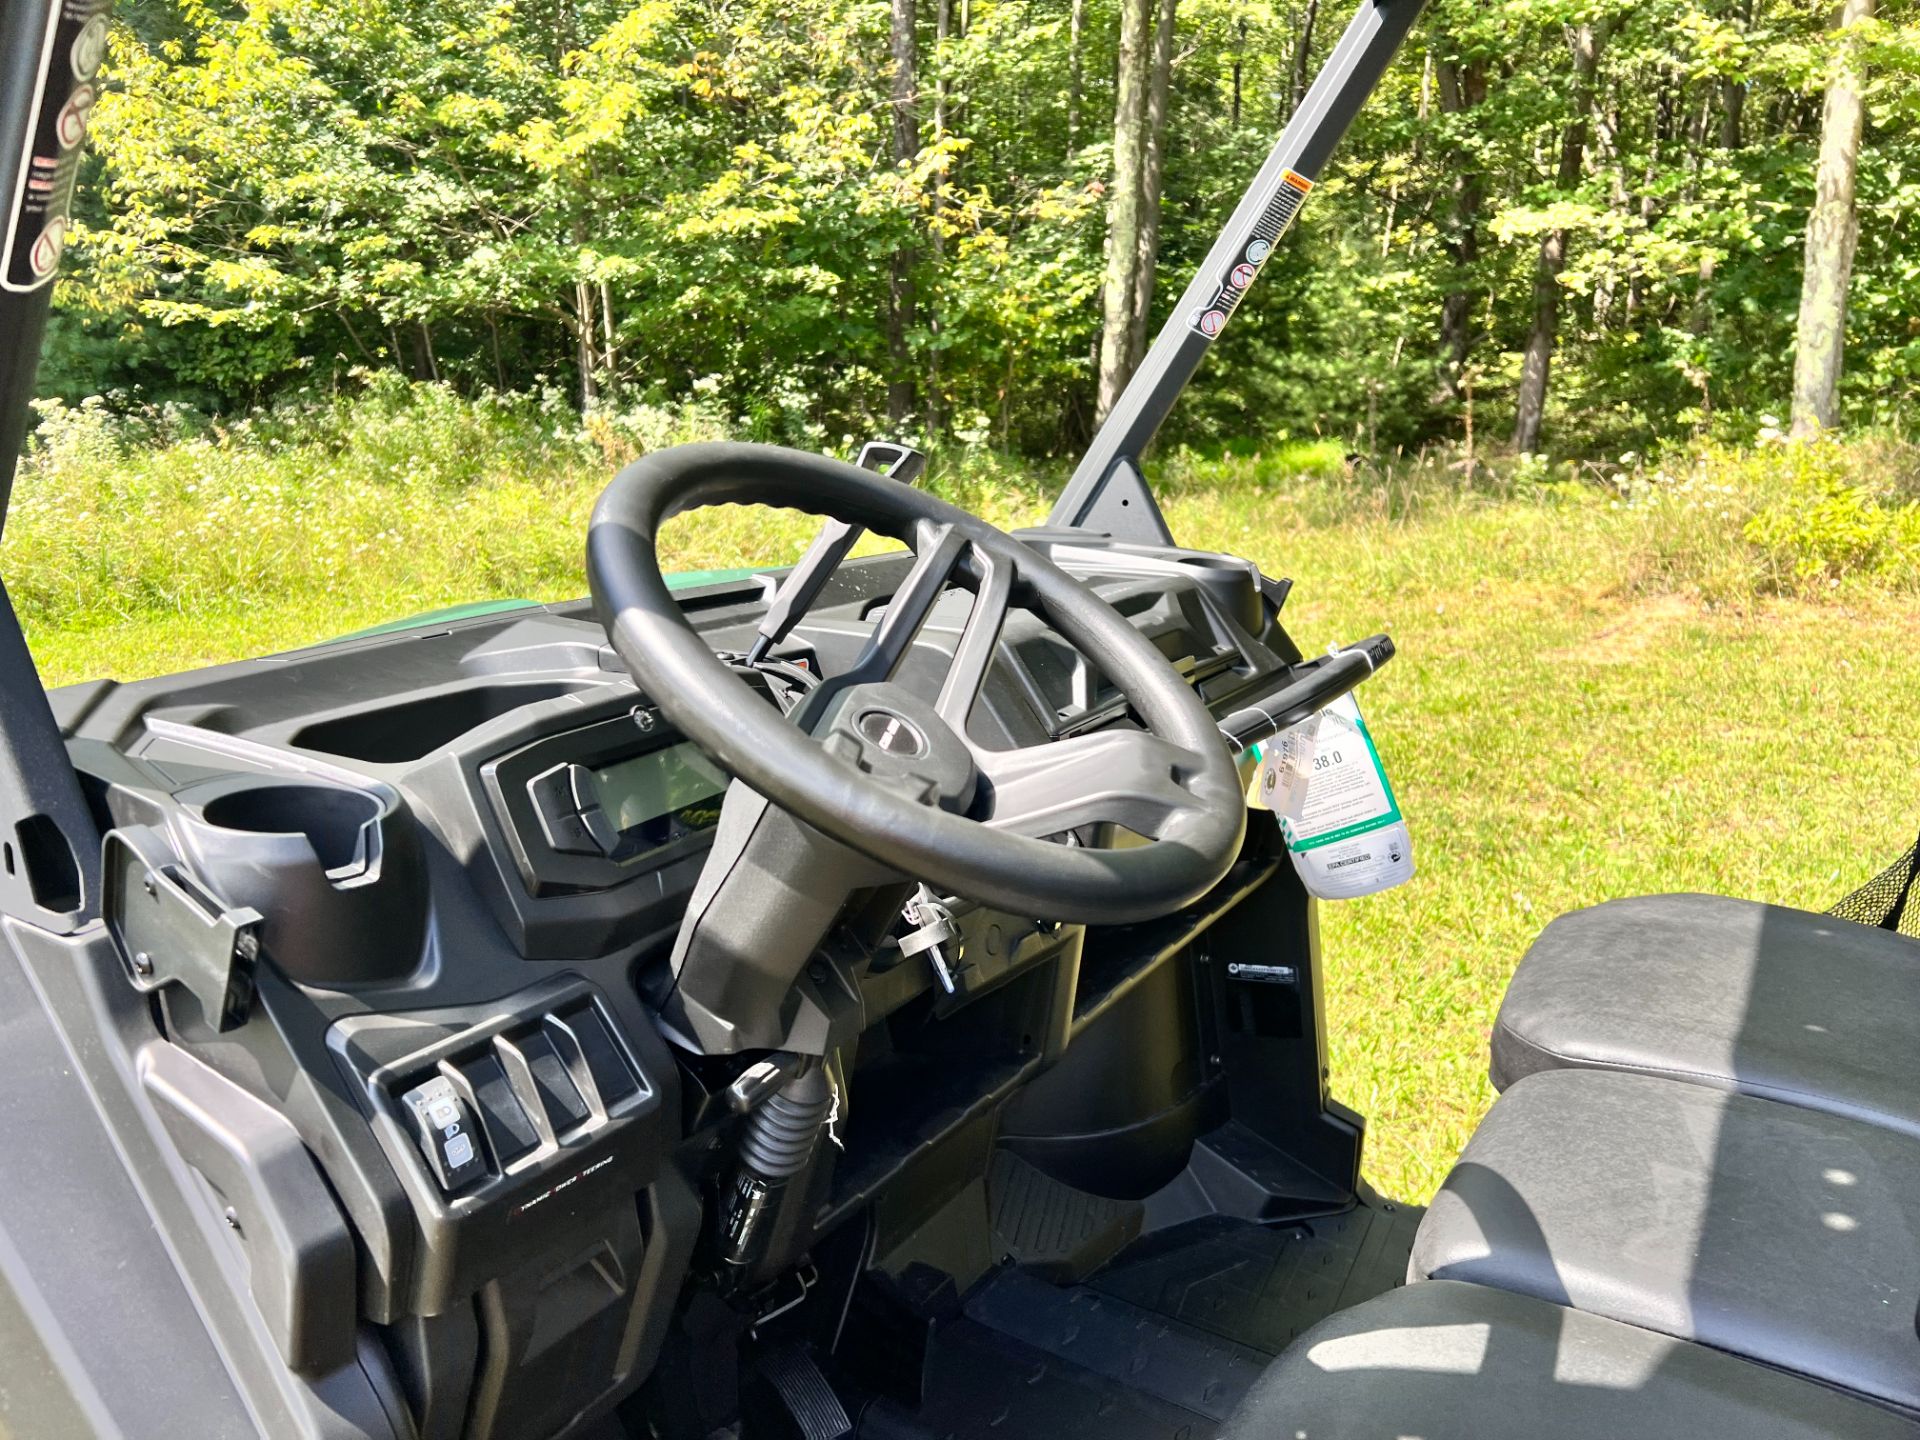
(1239, 65)
(1733, 92)
(1124, 209)
(1536, 367)
(1152, 176)
(583, 344)
(1076, 73)
(904, 48)
(1833, 229)
(1303, 55)
(426, 352)
(610, 354)
(1462, 87)
(937, 238)
(1733, 109)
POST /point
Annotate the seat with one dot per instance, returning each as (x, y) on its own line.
(1446, 1361)
(1785, 1235)
(1797, 1007)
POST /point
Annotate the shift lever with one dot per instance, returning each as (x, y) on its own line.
(807, 579)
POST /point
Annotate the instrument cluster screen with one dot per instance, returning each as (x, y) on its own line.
(655, 798)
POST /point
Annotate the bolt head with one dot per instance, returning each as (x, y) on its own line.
(142, 963)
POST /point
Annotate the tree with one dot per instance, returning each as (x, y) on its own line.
(1833, 232)
(790, 215)
(1127, 203)
(904, 48)
(1152, 180)
(1586, 41)
(1303, 56)
(1463, 87)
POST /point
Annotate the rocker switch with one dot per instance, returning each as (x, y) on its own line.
(444, 1128)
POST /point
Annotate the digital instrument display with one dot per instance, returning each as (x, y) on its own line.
(660, 796)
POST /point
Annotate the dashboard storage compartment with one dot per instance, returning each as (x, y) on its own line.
(394, 734)
(334, 870)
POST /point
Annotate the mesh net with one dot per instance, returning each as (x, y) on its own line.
(1888, 900)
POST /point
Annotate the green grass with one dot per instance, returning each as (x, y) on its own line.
(1601, 691)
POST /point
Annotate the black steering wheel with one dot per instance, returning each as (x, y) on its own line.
(894, 777)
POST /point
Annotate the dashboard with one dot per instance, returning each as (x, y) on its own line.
(463, 851)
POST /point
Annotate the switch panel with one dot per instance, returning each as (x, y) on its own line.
(509, 1130)
(607, 1069)
(512, 1130)
(443, 1126)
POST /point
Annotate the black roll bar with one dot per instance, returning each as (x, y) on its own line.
(1107, 491)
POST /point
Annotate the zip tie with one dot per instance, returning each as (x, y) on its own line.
(833, 1112)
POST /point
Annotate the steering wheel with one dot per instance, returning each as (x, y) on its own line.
(899, 779)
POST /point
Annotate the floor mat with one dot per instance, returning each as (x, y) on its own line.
(1040, 1223)
(1160, 1343)
(1122, 1343)
(1260, 1286)
(986, 1385)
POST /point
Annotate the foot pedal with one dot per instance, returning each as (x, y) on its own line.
(813, 1409)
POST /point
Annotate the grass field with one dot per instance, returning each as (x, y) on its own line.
(1592, 698)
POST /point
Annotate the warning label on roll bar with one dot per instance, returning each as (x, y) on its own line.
(65, 88)
(1210, 319)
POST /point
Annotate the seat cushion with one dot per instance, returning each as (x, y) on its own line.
(1785, 1235)
(1461, 1362)
(1797, 1007)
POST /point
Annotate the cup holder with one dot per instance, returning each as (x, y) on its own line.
(341, 825)
(335, 871)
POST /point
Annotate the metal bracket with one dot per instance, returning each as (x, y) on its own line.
(1121, 505)
(934, 927)
(171, 930)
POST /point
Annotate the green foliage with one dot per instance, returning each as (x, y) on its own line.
(683, 203)
(1829, 519)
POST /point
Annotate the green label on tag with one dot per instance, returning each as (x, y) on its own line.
(1338, 788)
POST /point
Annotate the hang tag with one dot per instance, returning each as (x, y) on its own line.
(1343, 827)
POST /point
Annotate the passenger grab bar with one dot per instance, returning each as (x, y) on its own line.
(1306, 688)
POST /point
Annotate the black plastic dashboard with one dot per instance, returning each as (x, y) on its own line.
(466, 848)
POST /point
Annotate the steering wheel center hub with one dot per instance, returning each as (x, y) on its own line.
(891, 733)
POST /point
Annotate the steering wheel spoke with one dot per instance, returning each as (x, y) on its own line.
(979, 639)
(938, 552)
(1128, 778)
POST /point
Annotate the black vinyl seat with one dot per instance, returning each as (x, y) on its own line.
(1446, 1361)
(1797, 1007)
(1785, 1235)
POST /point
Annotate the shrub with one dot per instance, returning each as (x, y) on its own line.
(1834, 515)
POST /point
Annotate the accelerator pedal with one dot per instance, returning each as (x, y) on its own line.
(813, 1411)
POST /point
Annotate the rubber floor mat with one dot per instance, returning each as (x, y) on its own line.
(985, 1385)
(1259, 1285)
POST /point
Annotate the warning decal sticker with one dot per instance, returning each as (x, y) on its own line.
(64, 93)
(1211, 318)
